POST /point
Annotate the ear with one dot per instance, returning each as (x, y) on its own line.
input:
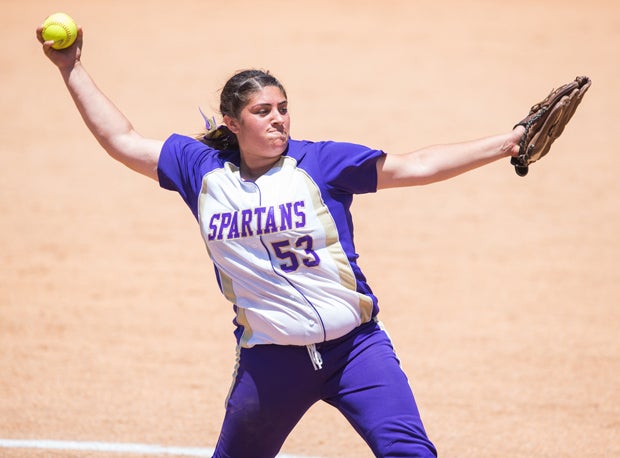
(232, 124)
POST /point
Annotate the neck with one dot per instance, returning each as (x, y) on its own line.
(251, 172)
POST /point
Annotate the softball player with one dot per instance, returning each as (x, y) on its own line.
(274, 214)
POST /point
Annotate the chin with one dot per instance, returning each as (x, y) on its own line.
(281, 143)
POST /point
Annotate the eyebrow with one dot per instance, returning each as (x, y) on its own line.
(268, 104)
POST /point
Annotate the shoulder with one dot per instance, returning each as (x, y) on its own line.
(331, 147)
(181, 144)
(330, 152)
(185, 160)
(345, 166)
(191, 152)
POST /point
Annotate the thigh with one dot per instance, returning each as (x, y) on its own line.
(272, 389)
(374, 394)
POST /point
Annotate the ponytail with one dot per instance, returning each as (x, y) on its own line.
(217, 137)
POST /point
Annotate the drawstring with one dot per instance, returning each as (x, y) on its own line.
(315, 357)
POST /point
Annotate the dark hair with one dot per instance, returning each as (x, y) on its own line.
(234, 96)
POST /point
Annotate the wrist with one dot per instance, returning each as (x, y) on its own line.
(67, 70)
(512, 145)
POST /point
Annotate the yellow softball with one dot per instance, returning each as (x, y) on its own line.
(60, 28)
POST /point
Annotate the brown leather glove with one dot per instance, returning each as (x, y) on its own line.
(546, 121)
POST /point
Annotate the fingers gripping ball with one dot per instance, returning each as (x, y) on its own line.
(60, 28)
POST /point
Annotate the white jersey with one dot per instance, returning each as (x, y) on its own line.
(282, 245)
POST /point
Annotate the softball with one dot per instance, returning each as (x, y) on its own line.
(60, 28)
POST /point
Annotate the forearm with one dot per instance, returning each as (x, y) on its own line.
(101, 116)
(441, 162)
(446, 161)
(108, 124)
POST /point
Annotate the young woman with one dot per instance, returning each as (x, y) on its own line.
(274, 213)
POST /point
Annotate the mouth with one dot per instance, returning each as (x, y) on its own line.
(277, 132)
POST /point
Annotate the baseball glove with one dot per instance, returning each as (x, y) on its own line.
(546, 121)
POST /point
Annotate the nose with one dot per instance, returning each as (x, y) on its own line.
(278, 117)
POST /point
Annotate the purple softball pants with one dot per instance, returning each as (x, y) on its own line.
(361, 377)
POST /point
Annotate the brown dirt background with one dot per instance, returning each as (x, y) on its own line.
(501, 293)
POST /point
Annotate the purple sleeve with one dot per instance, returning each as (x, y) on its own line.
(182, 164)
(350, 167)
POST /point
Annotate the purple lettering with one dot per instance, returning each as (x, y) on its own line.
(226, 217)
(246, 220)
(213, 226)
(298, 209)
(270, 223)
(286, 220)
(259, 212)
(233, 233)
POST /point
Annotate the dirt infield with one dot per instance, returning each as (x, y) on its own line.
(502, 294)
